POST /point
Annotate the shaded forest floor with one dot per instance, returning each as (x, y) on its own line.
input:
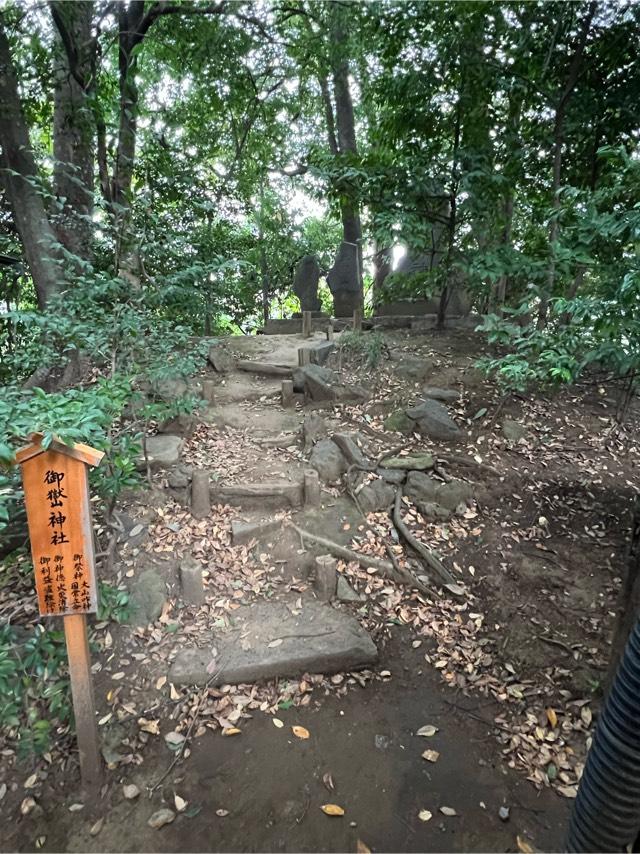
(508, 672)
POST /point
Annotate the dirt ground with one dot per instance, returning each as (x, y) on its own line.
(510, 673)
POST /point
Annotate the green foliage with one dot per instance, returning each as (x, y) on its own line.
(364, 347)
(34, 687)
(113, 603)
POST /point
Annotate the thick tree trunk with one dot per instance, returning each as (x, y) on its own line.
(558, 148)
(74, 124)
(345, 126)
(381, 269)
(20, 179)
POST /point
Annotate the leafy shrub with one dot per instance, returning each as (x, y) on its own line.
(364, 347)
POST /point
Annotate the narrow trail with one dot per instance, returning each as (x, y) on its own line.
(263, 788)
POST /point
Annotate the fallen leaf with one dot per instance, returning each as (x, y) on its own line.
(175, 695)
(27, 805)
(332, 809)
(97, 827)
(31, 781)
(300, 731)
(160, 818)
(327, 779)
(552, 718)
(425, 815)
(448, 811)
(76, 807)
(130, 791)
(362, 847)
(567, 791)
(117, 676)
(231, 730)
(431, 755)
(586, 715)
(427, 730)
(179, 802)
(524, 846)
(40, 841)
(152, 727)
(275, 642)
(222, 813)
(162, 681)
(278, 723)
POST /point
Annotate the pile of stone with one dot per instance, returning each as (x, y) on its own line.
(430, 417)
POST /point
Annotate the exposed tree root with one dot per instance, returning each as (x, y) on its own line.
(432, 562)
(386, 568)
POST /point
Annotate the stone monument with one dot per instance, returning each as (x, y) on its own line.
(305, 283)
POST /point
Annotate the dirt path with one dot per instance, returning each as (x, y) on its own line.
(507, 680)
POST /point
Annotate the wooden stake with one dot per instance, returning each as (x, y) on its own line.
(306, 324)
(330, 332)
(304, 356)
(357, 320)
(75, 630)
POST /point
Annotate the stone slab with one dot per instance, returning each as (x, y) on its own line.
(273, 639)
(163, 451)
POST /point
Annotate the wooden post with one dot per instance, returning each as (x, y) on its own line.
(208, 390)
(304, 356)
(56, 492)
(306, 324)
(357, 320)
(287, 393)
(75, 632)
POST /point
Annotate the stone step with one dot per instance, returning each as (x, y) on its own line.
(243, 532)
(272, 494)
(271, 639)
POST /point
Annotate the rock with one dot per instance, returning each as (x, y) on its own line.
(421, 488)
(220, 360)
(326, 577)
(161, 817)
(319, 353)
(513, 431)
(314, 427)
(398, 422)
(503, 813)
(305, 283)
(320, 383)
(327, 459)
(191, 581)
(179, 425)
(148, 595)
(163, 451)
(454, 493)
(394, 476)
(446, 395)
(344, 281)
(170, 390)
(410, 462)
(130, 791)
(433, 420)
(346, 593)
(437, 499)
(277, 638)
(376, 496)
(244, 532)
(410, 367)
(350, 449)
(180, 477)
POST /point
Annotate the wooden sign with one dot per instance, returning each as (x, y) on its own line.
(56, 493)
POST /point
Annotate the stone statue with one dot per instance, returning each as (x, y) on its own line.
(305, 283)
(344, 281)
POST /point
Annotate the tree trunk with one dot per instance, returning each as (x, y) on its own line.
(346, 134)
(74, 124)
(558, 147)
(448, 287)
(20, 177)
(129, 36)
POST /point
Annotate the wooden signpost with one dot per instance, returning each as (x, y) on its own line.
(56, 491)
